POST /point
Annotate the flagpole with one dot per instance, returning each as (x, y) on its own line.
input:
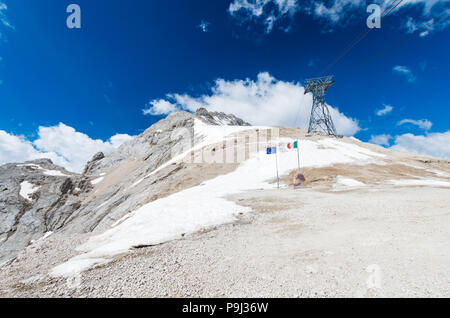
(278, 177)
(298, 156)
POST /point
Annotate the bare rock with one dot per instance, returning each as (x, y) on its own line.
(32, 198)
(216, 118)
(89, 166)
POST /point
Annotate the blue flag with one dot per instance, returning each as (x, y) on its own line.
(272, 150)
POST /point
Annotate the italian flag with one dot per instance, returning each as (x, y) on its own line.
(292, 145)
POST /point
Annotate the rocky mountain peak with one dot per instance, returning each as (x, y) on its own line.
(218, 118)
(90, 165)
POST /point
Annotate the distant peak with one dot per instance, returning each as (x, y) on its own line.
(219, 118)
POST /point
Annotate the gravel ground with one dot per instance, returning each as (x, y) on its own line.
(374, 242)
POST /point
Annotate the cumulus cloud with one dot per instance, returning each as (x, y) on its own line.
(382, 140)
(266, 101)
(159, 107)
(424, 124)
(267, 12)
(404, 71)
(62, 144)
(18, 148)
(385, 110)
(435, 144)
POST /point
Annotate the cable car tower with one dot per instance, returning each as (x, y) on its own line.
(320, 114)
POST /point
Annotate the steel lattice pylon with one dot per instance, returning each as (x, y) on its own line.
(320, 114)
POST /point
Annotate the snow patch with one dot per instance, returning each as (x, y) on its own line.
(440, 173)
(125, 217)
(420, 182)
(137, 182)
(53, 173)
(30, 165)
(97, 181)
(77, 265)
(27, 189)
(347, 182)
(46, 235)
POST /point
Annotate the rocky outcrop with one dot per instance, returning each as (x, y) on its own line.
(39, 197)
(36, 197)
(91, 164)
(216, 118)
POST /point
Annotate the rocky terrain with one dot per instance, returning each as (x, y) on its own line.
(62, 201)
(36, 197)
(150, 220)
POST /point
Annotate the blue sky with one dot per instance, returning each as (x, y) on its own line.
(93, 83)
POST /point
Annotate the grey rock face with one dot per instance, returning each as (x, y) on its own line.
(39, 197)
(35, 198)
(216, 118)
(89, 166)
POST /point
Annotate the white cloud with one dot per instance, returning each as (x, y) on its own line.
(4, 21)
(159, 107)
(204, 26)
(266, 101)
(404, 71)
(385, 110)
(267, 12)
(18, 149)
(424, 124)
(337, 9)
(435, 144)
(382, 140)
(427, 4)
(62, 144)
(428, 23)
(117, 140)
(332, 12)
(411, 25)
